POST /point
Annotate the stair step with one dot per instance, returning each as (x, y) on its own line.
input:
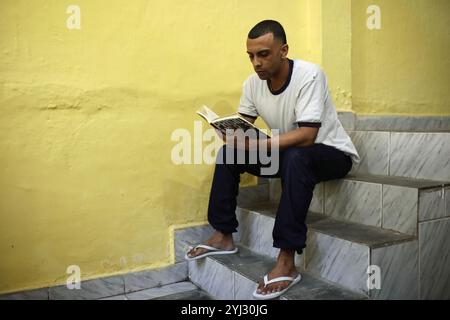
(341, 252)
(372, 237)
(161, 291)
(184, 290)
(251, 194)
(393, 203)
(197, 294)
(236, 276)
(399, 181)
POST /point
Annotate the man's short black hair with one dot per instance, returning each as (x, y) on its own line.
(268, 26)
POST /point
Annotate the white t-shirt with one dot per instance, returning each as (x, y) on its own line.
(304, 100)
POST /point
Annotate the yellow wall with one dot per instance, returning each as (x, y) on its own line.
(336, 52)
(86, 120)
(403, 68)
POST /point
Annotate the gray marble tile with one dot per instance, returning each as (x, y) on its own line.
(156, 277)
(248, 230)
(373, 149)
(190, 236)
(119, 297)
(247, 263)
(354, 201)
(265, 229)
(399, 181)
(317, 202)
(311, 288)
(90, 290)
(420, 155)
(253, 194)
(447, 202)
(431, 204)
(400, 209)
(347, 119)
(337, 260)
(399, 271)
(243, 287)
(188, 295)
(434, 259)
(266, 208)
(314, 217)
(213, 277)
(37, 294)
(161, 291)
(402, 123)
(369, 236)
(274, 190)
(299, 260)
(239, 260)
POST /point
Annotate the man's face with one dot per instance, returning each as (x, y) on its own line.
(266, 55)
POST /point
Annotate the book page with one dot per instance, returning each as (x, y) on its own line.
(207, 113)
(237, 122)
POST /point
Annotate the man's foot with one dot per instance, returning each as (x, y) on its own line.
(217, 240)
(285, 267)
(278, 271)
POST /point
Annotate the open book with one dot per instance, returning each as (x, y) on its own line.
(233, 122)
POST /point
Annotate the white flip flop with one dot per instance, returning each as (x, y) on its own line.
(212, 251)
(274, 295)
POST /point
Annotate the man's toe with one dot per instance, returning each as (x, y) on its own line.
(191, 253)
(194, 252)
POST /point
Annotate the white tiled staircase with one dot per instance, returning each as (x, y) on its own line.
(391, 212)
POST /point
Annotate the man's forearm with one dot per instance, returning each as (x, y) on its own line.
(301, 137)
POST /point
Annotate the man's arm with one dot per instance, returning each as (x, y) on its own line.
(300, 137)
(248, 118)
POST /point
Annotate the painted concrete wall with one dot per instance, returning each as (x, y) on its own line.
(86, 176)
(404, 67)
(337, 50)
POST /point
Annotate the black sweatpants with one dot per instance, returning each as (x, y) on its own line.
(300, 169)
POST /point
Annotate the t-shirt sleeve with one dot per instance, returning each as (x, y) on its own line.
(311, 102)
(246, 103)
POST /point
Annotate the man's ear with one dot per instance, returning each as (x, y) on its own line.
(284, 50)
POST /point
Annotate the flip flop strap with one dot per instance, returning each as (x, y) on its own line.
(267, 281)
(204, 246)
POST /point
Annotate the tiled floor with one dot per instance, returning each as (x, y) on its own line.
(176, 291)
(182, 290)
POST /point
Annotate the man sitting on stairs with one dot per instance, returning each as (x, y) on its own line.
(291, 96)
